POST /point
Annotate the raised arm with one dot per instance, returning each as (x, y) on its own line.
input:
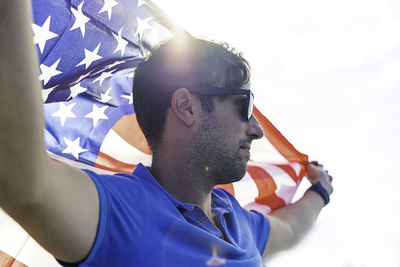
(58, 205)
(291, 223)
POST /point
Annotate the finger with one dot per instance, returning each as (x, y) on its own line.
(316, 163)
(327, 173)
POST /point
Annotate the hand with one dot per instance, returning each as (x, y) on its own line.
(317, 173)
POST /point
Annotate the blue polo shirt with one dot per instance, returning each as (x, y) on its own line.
(142, 225)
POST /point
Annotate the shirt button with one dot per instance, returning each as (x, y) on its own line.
(200, 220)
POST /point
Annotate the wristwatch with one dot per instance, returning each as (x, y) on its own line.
(318, 188)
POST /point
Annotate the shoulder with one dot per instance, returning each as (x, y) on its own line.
(257, 223)
(223, 194)
(113, 179)
(118, 186)
(227, 198)
(223, 198)
(123, 204)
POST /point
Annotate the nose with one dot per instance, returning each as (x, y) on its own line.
(254, 129)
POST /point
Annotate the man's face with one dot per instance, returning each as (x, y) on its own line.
(222, 141)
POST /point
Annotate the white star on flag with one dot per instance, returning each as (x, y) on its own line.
(142, 25)
(80, 19)
(49, 72)
(103, 76)
(76, 90)
(106, 97)
(64, 112)
(141, 2)
(97, 114)
(42, 34)
(130, 97)
(108, 5)
(122, 43)
(73, 147)
(90, 56)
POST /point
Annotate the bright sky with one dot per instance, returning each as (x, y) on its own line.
(327, 73)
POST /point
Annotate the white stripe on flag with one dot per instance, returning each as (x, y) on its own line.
(78, 164)
(12, 236)
(114, 146)
(263, 151)
(264, 209)
(245, 190)
(296, 167)
(286, 186)
(32, 254)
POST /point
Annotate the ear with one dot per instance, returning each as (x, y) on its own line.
(182, 105)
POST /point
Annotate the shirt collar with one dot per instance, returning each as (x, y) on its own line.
(218, 202)
(143, 172)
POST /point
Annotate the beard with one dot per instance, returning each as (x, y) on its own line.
(214, 153)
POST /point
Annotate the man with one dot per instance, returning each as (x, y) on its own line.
(194, 105)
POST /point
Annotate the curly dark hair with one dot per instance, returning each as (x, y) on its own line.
(182, 62)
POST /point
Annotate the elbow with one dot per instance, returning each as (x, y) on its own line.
(283, 236)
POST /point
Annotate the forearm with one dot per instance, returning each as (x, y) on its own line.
(288, 225)
(22, 149)
(300, 216)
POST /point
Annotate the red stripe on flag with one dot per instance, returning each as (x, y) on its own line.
(5, 259)
(265, 184)
(280, 143)
(290, 171)
(273, 201)
(227, 187)
(8, 261)
(266, 188)
(128, 129)
(103, 161)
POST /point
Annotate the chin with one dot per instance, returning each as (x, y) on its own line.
(233, 175)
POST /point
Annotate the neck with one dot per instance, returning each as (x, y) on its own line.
(185, 182)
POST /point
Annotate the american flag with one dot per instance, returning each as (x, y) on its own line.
(87, 51)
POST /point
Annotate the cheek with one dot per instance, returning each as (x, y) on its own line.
(230, 119)
(233, 128)
(226, 141)
(228, 135)
(223, 131)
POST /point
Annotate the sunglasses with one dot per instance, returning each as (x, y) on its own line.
(248, 104)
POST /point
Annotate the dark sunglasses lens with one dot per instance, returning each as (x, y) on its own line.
(250, 107)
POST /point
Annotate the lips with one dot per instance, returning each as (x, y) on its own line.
(246, 149)
(245, 146)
